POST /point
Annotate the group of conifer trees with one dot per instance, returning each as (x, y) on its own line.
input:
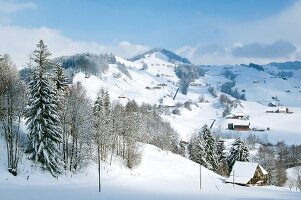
(66, 129)
(206, 150)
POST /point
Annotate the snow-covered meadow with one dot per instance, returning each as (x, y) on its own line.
(161, 175)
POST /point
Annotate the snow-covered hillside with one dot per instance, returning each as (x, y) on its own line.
(161, 175)
(158, 83)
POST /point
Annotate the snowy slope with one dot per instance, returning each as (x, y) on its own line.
(259, 86)
(161, 175)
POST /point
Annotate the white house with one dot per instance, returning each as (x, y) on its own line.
(282, 109)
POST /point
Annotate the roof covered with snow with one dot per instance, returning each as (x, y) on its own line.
(282, 108)
(244, 172)
(239, 122)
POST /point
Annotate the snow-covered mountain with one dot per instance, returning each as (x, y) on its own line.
(158, 84)
(151, 78)
(162, 54)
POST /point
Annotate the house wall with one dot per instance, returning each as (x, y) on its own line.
(241, 128)
(258, 176)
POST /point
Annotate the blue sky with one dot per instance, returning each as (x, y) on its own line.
(205, 31)
(170, 23)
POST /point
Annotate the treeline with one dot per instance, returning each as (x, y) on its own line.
(208, 151)
(253, 65)
(85, 62)
(66, 130)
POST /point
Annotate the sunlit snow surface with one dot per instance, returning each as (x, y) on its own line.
(161, 175)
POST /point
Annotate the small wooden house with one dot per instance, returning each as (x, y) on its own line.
(246, 173)
(239, 126)
(238, 115)
(282, 109)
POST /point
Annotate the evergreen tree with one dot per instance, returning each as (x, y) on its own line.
(222, 168)
(238, 152)
(59, 78)
(131, 134)
(196, 150)
(43, 122)
(210, 148)
(103, 122)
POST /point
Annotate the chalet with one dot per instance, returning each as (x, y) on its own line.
(153, 88)
(282, 109)
(239, 126)
(162, 84)
(246, 173)
(238, 115)
(123, 97)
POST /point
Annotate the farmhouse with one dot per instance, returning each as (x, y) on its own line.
(282, 109)
(246, 173)
(238, 115)
(239, 125)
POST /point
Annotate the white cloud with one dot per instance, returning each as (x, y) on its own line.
(239, 53)
(19, 42)
(9, 7)
(278, 49)
(127, 49)
(260, 36)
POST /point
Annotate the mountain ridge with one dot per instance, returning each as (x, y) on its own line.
(172, 57)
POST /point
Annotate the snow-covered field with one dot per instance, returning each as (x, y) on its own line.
(161, 175)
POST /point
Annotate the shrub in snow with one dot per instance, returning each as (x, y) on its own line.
(212, 91)
(201, 99)
(144, 66)
(176, 112)
(187, 105)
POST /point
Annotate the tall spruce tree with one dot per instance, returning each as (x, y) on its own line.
(132, 127)
(210, 148)
(102, 122)
(43, 122)
(196, 150)
(239, 152)
(222, 168)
